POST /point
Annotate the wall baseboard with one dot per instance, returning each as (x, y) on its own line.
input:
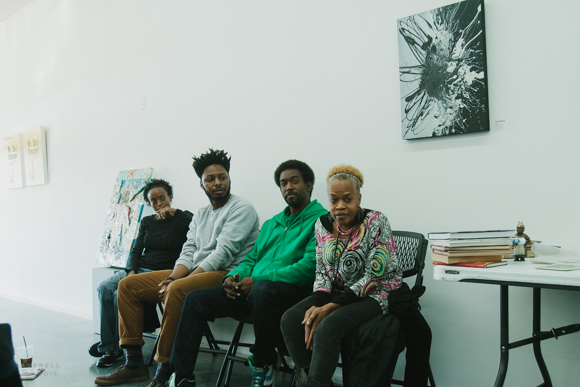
(44, 305)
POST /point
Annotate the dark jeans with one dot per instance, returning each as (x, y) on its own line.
(109, 311)
(328, 336)
(266, 302)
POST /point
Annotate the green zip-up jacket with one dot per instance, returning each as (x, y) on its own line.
(285, 252)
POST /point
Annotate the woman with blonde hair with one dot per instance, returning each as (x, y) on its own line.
(356, 268)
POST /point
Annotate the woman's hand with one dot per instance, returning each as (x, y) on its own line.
(131, 272)
(166, 212)
(308, 331)
(312, 318)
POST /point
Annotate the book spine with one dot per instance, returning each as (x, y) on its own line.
(466, 235)
(472, 264)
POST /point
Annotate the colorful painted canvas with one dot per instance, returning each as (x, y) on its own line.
(123, 217)
(443, 73)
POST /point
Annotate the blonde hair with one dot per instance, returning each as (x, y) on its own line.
(346, 172)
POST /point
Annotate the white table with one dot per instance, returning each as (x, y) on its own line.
(524, 274)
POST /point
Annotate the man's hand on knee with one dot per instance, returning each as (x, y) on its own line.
(163, 285)
(245, 285)
(230, 284)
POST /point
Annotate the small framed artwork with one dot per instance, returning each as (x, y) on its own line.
(443, 72)
(34, 152)
(13, 161)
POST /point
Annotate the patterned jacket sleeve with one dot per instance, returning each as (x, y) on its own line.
(322, 281)
(382, 272)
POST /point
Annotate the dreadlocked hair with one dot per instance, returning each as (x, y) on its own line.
(210, 158)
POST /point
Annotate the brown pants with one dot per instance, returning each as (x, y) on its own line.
(139, 288)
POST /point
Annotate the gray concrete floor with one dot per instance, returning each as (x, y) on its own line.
(61, 346)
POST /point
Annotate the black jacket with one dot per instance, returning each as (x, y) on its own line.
(370, 353)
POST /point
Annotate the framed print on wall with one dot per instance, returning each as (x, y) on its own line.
(443, 72)
(34, 152)
(13, 161)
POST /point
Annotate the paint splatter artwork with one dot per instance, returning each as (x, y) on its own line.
(442, 65)
(123, 217)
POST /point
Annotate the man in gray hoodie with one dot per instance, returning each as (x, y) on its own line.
(220, 235)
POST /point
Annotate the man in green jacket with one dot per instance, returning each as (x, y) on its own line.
(274, 276)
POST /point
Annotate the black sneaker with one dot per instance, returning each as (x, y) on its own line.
(94, 350)
(157, 383)
(109, 358)
(184, 383)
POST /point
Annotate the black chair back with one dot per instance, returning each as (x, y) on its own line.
(411, 251)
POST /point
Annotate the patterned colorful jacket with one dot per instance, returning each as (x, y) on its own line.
(367, 267)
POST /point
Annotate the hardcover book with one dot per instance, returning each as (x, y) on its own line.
(477, 258)
(472, 234)
(482, 264)
(473, 253)
(467, 249)
(473, 242)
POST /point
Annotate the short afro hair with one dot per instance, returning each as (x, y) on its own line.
(305, 171)
(210, 158)
(156, 183)
(346, 172)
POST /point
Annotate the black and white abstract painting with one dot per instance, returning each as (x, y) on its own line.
(443, 73)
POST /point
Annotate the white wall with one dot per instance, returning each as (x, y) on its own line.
(316, 81)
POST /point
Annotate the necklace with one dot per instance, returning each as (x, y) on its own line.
(342, 231)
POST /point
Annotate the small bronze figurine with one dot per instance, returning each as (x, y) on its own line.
(520, 241)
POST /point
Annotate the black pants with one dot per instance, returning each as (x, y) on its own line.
(328, 336)
(266, 302)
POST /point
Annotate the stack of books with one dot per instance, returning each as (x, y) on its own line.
(471, 248)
